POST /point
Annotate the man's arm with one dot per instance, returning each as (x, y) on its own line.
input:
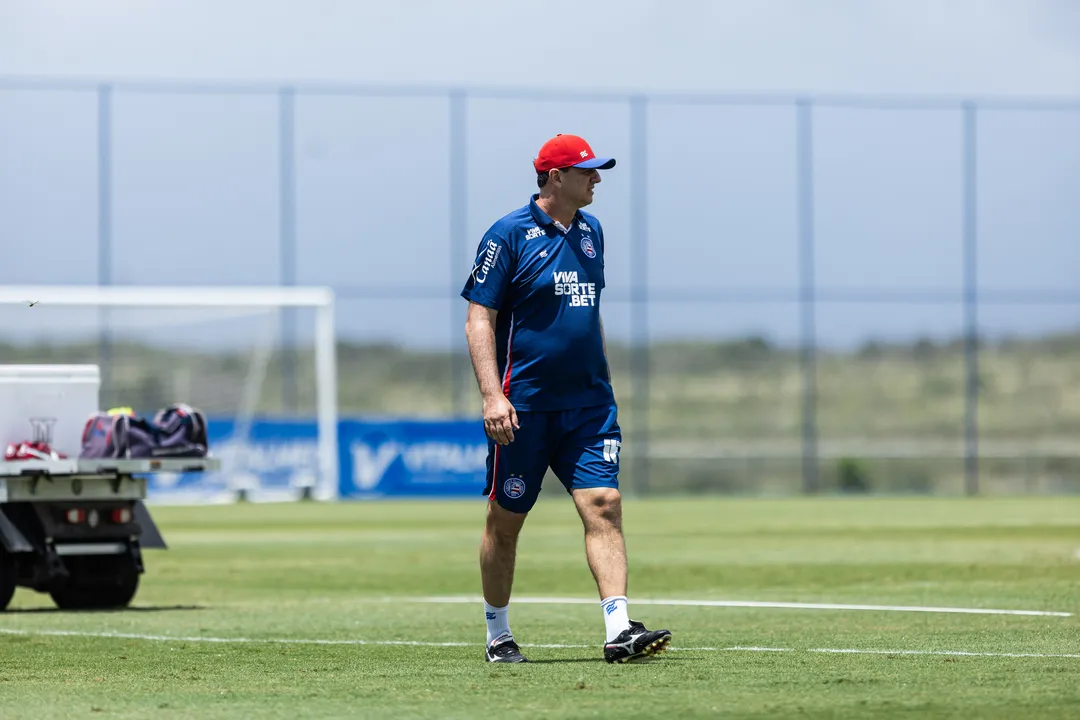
(603, 338)
(480, 333)
(603, 343)
(500, 418)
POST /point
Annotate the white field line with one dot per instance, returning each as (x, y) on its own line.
(419, 643)
(738, 603)
(853, 651)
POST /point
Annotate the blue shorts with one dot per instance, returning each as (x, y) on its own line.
(581, 446)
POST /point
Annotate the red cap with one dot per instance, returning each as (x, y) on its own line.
(569, 151)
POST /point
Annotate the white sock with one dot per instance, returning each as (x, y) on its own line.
(615, 617)
(498, 622)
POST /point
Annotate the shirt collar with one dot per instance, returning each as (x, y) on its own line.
(544, 220)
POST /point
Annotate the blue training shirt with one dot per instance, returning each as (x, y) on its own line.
(545, 284)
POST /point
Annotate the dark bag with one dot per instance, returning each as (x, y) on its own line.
(175, 431)
(180, 431)
(105, 435)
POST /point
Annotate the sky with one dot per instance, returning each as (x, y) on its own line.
(195, 185)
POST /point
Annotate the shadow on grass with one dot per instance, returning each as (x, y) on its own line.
(650, 661)
(139, 609)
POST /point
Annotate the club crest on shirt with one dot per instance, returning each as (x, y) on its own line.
(587, 246)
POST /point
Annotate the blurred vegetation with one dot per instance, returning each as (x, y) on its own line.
(741, 397)
(741, 390)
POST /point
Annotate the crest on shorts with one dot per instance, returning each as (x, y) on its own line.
(514, 487)
(587, 246)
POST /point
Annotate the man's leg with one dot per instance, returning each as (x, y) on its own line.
(515, 473)
(600, 509)
(587, 463)
(498, 550)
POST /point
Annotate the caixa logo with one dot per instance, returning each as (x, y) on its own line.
(429, 462)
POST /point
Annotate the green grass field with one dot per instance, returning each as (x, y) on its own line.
(312, 611)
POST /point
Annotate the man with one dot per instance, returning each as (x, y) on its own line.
(537, 347)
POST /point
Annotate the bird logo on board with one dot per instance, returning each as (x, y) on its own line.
(587, 247)
(514, 487)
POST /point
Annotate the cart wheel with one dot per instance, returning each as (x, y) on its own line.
(7, 577)
(97, 583)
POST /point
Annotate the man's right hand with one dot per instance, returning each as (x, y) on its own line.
(500, 419)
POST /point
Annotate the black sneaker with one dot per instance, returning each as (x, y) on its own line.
(636, 642)
(506, 651)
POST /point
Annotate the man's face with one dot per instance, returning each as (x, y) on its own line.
(576, 185)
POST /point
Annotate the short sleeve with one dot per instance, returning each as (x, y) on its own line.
(491, 274)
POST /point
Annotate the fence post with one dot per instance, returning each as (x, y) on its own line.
(287, 239)
(104, 234)
(807, 294)
(639, 287)
(459, 219)
(971, 303)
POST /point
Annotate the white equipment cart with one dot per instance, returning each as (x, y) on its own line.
(73, 528)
